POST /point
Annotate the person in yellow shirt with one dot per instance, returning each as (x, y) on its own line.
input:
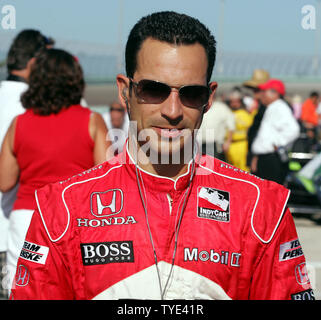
(237, 152)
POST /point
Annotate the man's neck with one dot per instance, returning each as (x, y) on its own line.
(169, 169)
(172, 171)
(272, 101)
(19, 74)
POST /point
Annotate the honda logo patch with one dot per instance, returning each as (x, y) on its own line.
(301, 274)
(107, 203)
(213, 204)
(22, 276)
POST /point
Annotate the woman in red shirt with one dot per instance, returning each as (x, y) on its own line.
(54, 139)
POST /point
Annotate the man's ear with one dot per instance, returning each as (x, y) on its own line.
(123, 85)
(213, 87)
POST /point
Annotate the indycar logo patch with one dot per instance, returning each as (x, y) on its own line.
(213, 204)
(107, 203)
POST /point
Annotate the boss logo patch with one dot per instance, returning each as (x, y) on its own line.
(213, 204)
(303, 295)
(107, 252)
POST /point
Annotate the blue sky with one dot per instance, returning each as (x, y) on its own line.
(272, 26)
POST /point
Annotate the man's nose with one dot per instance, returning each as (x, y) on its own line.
(172, 108)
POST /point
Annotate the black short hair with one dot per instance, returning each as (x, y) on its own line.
(25, 46)
(56, 81)
(173, 28)
(314, 94)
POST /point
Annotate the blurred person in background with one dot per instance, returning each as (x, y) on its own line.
(310, 117)
(278, 130)
(56, 137)
(296, 104)
(237, 151)
(319, 109)
(50, 43)
(259, 76)
(116, 119)
(20, 58)
(215, 133)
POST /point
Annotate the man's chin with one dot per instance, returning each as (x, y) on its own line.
(172, 151)
(158, 148)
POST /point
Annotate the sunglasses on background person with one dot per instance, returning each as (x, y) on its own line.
(155, 92)
(117, 109)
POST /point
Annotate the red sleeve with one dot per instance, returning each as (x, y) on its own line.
(281, 272)
(41, 272)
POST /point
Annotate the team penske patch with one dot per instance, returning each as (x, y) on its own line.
(213, 204)
(34, 252)
(290, 250)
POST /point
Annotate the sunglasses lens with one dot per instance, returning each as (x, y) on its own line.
(194, 96)
(152, 91)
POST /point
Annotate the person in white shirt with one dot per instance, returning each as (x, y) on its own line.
(278, 130)
(20, 59)
(117, 122)
(215, 133)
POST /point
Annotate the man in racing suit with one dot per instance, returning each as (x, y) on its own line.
(131, 229)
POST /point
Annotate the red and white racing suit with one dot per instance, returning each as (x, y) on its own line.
(91, 238)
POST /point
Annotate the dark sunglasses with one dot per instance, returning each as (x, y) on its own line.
(117, 109)
(155, 92)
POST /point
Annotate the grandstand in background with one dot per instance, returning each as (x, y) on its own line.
(101, 63)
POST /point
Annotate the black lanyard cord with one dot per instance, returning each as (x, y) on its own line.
(187, 192)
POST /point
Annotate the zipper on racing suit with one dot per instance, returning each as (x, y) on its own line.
(170, 203)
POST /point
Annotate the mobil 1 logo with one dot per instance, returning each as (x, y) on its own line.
(107, 252)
